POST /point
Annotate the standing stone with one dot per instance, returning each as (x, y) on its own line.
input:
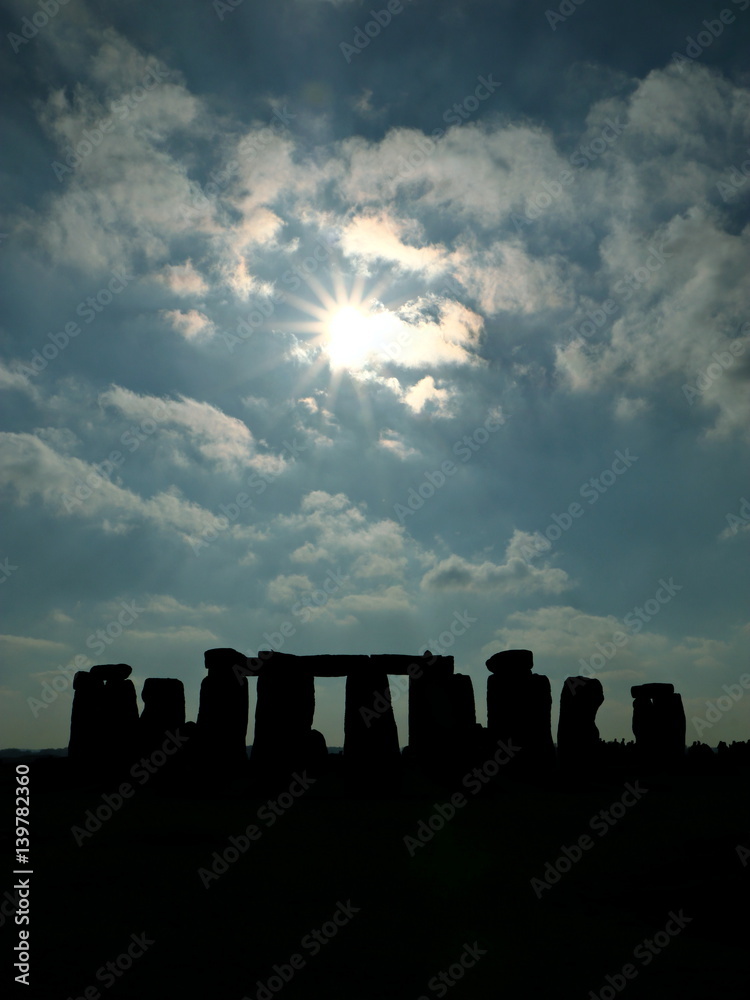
(120, 708)
(464, 707)
(669, 718)
(370, 734)
(541, 721)
(284, 714)
(519, 709)
(652, 690)
(677, 727)
(577, 733)
(658, 726)
(104, 721)
(431, 710)
(224, 708)
(163, 711)
(85, 721)
(643, 723)
(508, 691)
(511, 662)
(111, 671)
(467, 741)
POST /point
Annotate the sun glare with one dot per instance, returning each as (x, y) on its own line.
(350, 337)
(350, 328)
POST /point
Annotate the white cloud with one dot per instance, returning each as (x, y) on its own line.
(193, 325)
(395, 443)
(389, 599)
(16, 380)
(426, 392)
(379, 235)
(166, 604)
(569, 642)
(24, 643)
(505, 278)
(223, 440)
(183, 279)
(338, 532)
(287, 588)
(627, 408)
(514, 576)
(33, 469)
(60, 618)
(175, 634)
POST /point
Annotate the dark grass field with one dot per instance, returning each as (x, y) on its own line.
(674, 850)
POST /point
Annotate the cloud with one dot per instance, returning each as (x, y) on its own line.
(395, 444)
(670, 292)
(379, 235)
(475, 171)
(567, 641)
(224, 441)
(61, 618)
(504, 278)
(16, 380)
(341, 531)
(193, 325)
(174, 634)
(123, 194)
(389, 600)
(426, 392)
(166, 604)
(584, 305)
(514, 576)
(24, 643)
(565, 632)
(183, 279)
(363, 106)
(627, 408)
(30, 468)
(286, 588)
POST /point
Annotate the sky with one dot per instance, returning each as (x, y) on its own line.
(340, 328)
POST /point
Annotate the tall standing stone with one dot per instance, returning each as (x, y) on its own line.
(85, 720)
(284, 714)
(224, 708)
(540, 740)
(519, 709)
(104, 721)
(370, 734)
(676, 729)
(658, 726)
(431, 707)
(464, 707)
(163, 711)
(508, 691)
(577, 733)
(467, 740)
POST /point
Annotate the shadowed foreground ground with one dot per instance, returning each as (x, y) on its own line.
(675, 849)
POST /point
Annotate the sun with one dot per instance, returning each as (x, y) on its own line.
(350, 336)
(350, 328)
